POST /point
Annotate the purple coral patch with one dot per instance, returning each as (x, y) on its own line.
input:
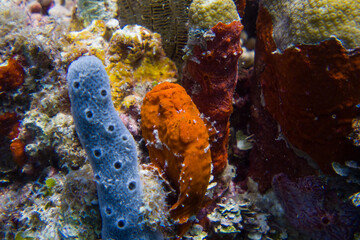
(313, 209)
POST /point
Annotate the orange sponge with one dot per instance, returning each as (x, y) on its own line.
(177, 140)
(11, 75)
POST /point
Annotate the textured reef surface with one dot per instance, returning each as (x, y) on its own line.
(179, 119)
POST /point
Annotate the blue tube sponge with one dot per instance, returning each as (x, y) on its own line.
(111, 150)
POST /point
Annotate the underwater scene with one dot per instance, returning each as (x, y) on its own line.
(180, 119)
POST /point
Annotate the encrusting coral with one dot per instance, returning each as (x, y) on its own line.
(211, 70)
(206, 14)
(177, 140)
(309, 22)
(89, 40)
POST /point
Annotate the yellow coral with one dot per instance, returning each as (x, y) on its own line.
(205, 14)
(312, 21)
(136, 60)
(89, 40)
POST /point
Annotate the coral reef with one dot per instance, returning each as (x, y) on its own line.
(12, 198)
(12, 76)
(310, 206)
(62, 208)
(309, 22)
(48, 130)
(19, 36)
(110, 148)
(210, 76)
(315, 102)
(54, 207)
(134, 59)
(281, 123)
(33, 51)
(177, 140)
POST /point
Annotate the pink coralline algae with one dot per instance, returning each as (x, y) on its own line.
(312, 208)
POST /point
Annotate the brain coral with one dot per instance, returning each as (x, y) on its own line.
(300, 21)
(178, 145)
(206, 14)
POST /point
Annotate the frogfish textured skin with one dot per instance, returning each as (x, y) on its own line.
(210, 76)
(111, 150)
(311, 207)
(177, 140)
